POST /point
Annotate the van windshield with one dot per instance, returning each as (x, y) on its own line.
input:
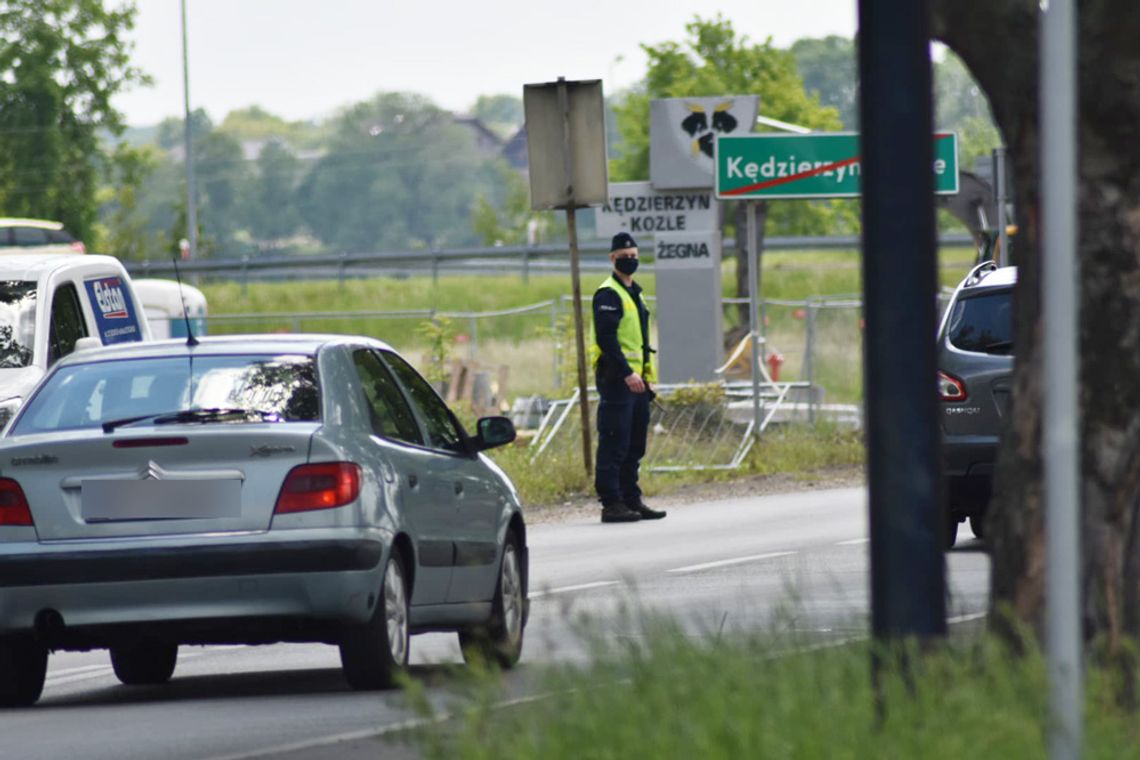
(17, 322)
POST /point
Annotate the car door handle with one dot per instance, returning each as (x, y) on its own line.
(458, 488)
(413, 481)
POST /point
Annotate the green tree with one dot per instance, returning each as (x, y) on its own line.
(171, 131)
(502, 113)
(999, 43)
(272, 204)
(61, 63)
(829, 69)
(123, 230)
(503, 216)
(715, 60)
(223, 178)
(399, 172)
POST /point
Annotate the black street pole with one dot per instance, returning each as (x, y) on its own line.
(908, 585)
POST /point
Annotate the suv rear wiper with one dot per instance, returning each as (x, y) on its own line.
(193, 415)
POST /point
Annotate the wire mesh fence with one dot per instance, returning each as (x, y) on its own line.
(691, 427)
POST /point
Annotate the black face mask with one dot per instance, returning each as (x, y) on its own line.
(627, 265)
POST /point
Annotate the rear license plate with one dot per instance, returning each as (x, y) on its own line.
(115, 500)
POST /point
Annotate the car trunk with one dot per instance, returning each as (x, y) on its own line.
(177, 479)
(987, 402)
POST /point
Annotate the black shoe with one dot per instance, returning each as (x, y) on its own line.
(644, 512)
(618, 513)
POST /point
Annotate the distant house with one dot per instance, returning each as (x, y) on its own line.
(514, 151)
(485, 139)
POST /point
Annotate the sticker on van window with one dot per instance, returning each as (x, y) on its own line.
(114, 310)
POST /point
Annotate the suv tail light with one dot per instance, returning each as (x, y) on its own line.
(318, 486)
(951, 388)
(78, 247)
(13, 506)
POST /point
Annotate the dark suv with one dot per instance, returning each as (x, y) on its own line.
(975, 368)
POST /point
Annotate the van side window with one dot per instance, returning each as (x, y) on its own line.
(67, 324)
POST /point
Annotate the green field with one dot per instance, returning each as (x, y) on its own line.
(528, 346)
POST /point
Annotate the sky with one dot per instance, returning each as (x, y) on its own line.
(302, 59)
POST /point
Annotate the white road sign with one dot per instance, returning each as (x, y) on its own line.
(636, 208)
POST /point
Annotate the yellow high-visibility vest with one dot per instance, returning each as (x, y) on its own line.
(628, 333)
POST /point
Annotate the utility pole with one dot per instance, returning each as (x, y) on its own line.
(191, 195)
(900, 278)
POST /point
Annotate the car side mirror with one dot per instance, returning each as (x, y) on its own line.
(493, 431)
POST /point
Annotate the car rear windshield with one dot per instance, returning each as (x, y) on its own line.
(17, 322)
(271, 387)
(983, 323)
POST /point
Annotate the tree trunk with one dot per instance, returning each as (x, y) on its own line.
(1109, 261)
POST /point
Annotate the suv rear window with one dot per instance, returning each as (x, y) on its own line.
(983, 323)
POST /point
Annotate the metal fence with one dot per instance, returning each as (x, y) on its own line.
(524, 259)
(691, 427)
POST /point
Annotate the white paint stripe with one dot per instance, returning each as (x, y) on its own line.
(87, 672)
(370, 733)
(967, 618)
(853, 542)
(70, 671)
(726, 562)
(568, 589)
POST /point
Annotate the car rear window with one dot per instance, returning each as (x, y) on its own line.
(983, 323)
(17, 323)
(28, 236)
(279, 387)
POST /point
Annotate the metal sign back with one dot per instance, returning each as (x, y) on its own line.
(547, 143)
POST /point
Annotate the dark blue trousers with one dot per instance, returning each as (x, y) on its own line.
(623, 424)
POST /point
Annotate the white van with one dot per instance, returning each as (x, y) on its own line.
(47, 303)
(163, 301)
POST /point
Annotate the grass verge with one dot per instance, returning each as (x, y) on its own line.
(801, 449)
(672, 696)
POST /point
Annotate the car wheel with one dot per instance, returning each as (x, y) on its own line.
(978, 525)
(144, 663)
(373, 654)
(501, 640)
(23, 666)
(951, 530)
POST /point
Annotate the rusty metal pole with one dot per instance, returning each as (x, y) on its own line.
(575, 279)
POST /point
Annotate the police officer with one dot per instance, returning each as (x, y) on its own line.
(624, 374)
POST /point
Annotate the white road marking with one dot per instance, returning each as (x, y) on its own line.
(71, 671)
(86, 672)
(567, 589)
(726, 562)
(966, 618)
(373, 733)
(853, 542)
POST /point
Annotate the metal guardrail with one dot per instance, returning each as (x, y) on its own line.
(434, 260)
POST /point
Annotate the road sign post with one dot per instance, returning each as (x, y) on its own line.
(566, 150)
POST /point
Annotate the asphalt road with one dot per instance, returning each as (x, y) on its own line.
(796, 561)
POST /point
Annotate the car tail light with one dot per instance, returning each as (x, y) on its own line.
(13, 506)
(318, 486)
(78, 247)
(951, 388)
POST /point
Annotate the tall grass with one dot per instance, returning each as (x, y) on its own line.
(668, 695)
(557, 477)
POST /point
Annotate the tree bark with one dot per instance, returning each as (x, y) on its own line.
(998, 42)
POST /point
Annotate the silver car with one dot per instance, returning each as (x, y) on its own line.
(251, 490)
